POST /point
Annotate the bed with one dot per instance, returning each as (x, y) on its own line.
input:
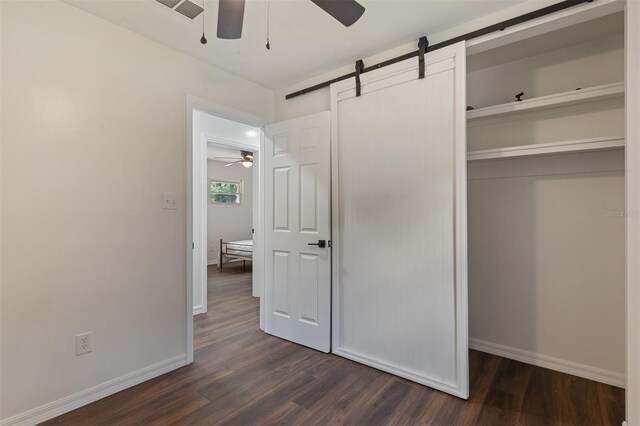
(236, 250)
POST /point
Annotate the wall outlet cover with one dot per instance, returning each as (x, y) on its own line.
(84, 343)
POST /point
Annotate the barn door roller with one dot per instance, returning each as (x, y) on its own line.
(359, 68)
(423, 44)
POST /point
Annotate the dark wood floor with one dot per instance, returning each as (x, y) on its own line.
(242, 376)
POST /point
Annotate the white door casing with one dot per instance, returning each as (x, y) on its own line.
(298, 212)
(632, 154)
(399, 220)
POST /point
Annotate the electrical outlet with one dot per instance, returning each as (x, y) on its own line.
(83, 343)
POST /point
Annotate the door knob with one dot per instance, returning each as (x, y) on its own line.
(320, 243)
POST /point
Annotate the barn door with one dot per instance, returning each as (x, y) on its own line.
(297, 231)
(399, 220)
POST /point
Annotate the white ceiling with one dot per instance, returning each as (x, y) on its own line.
(226, 132)
(305, 41)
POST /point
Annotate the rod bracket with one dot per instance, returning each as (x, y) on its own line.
(359, 68)
(423, 44)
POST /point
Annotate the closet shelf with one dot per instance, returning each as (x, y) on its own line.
(564, 147)
(587, 94)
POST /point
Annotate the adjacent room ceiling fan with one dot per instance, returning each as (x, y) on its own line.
(231, 14)
(246, 159)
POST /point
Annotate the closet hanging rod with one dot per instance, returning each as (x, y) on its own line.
(468, 36)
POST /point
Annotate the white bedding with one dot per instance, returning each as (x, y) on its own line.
(242, 249)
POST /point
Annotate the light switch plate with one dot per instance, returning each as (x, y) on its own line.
(170, 201)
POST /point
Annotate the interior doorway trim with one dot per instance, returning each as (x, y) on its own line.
(221, 111)
(632, 158)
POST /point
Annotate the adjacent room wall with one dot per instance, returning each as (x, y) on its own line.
(93, 133)
(229, 222)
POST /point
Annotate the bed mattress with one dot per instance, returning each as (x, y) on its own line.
(242, 248)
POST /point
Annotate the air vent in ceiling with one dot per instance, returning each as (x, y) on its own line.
(189, 9)
(169, 3)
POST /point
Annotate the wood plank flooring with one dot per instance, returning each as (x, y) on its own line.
(242, 376)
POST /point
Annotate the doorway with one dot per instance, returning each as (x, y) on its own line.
(224, 212)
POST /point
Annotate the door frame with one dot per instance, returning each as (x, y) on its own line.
(221, 111)
(632, 198)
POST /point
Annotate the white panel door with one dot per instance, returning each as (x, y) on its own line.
(297, 221)
(399, 221)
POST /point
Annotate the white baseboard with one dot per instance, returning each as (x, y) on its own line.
(212, 262)
(87, 396)
(200, 309)
(545, 361)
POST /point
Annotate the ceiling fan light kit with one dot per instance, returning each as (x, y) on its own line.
(246, 159)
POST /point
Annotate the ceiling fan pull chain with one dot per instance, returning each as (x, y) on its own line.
(268, 46)
(203, 39)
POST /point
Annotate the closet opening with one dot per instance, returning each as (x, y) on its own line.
(546, 200)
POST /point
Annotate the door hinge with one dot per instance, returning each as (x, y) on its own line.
(193, 245)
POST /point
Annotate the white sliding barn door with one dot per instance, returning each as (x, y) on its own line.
(399, 221)
(297, 215)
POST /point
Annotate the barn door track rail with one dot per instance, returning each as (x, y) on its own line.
(422, 50)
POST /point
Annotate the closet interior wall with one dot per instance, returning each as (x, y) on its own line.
(547, 233)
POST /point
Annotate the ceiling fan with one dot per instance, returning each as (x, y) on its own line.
(246, 159)
(231, 14)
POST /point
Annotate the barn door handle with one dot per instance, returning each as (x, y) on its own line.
(320, 243)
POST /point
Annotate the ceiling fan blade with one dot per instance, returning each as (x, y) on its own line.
(231, 164)
(230, 17)
(345, 11)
